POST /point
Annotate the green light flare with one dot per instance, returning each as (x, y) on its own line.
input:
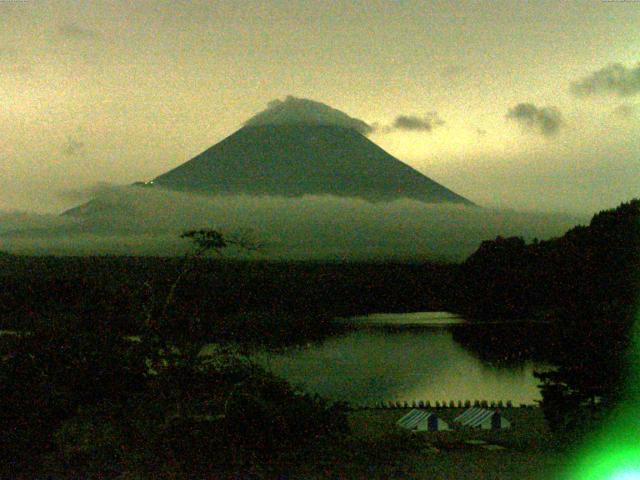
(608, 462)
(614, 452)
(627, 475)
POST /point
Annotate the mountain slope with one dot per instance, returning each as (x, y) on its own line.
(293, 160)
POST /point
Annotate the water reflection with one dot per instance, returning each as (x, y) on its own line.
(369, 365)
(426, 319)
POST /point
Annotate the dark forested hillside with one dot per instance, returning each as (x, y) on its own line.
(590, 269)
(237, 300)
(587, 284)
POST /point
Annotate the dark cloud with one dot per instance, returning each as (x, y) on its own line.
(73, 147)
(75, 31)
(545, 120)
(411, 123)
(414, 123)
(614, 79)
(302, 111)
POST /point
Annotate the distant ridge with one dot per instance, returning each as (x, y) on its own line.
(299, 159)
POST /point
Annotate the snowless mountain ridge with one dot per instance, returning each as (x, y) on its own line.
(301, 147)
(295, 160)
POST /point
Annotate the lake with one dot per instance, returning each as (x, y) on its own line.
(403, 357)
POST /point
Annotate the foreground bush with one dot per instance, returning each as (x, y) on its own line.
(78, 403)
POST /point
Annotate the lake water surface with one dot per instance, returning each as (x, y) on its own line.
(402, 357)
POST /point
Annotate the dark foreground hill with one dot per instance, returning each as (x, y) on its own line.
(294, 160)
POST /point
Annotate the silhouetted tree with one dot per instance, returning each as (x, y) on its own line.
(599, 280)
(587, 282)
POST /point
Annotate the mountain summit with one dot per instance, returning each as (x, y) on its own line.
(302, 111)
(297, 147)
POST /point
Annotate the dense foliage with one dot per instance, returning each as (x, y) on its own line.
(247, 301)
(78, 399)
(586, 282)
(588, 269)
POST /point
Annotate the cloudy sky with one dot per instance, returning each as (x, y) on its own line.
(529, 105)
